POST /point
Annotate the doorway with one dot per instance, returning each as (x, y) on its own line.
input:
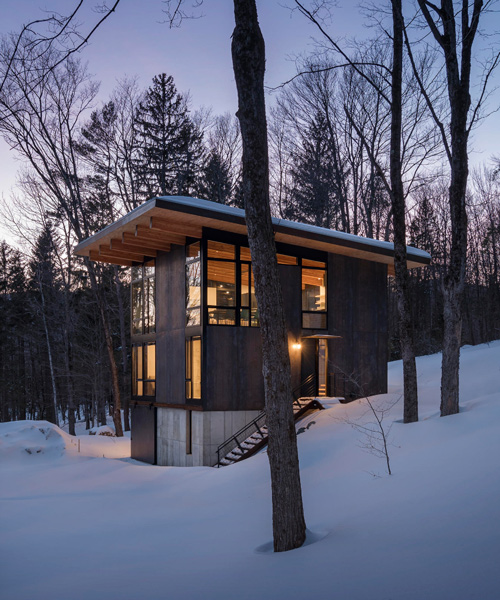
(322, 367)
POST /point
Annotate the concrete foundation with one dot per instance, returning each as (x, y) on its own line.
(208, 430)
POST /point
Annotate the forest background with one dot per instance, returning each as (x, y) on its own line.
(64, 347)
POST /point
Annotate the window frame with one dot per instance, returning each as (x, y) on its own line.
(143, 381)
(146, 329)
(314, 312)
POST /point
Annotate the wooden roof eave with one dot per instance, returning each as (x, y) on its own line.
(160, 222)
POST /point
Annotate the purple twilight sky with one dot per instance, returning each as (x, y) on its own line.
(135, 41)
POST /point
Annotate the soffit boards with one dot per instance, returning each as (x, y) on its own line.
(159, 223)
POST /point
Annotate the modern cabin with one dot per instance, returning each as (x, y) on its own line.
(196, 348)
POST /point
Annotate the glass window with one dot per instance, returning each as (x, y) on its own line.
(313, 320)
(313, 263)
(221, 292)
(149, 310)
(245, 254)
(220, 250)
(137, 370)
(313, 289)
(249, 315)
(193, 284)
(314, 303)
(143, 299)
(193, 368)
(283, 259)
(137, 307)
(149, 369)
(143, 369)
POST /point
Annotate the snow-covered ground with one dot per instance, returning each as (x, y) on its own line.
(75, 525)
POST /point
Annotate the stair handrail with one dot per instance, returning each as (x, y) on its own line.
(306, 388)
(236, 438)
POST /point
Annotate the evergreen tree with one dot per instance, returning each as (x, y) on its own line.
(170, 144)
(313, 193)
(216, 184)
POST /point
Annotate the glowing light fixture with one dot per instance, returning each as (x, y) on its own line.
(297, 346)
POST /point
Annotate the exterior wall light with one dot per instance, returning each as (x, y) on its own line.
(296, 346)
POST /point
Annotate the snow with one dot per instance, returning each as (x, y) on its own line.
(218, 208)
(77, 525)
(335, 235)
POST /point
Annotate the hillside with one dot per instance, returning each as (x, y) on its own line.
(77, 525)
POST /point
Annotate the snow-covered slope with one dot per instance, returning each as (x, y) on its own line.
(77, 526)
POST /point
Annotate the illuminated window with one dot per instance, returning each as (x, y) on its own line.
(314, 304)
(221, 284)
(248, 312)
(144, 369)
(193, 368)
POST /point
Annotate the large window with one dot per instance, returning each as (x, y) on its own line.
(313, 294)
(221, 283)
(143, 299)
(144, 369)
(248, 312)
(193, 284)
(193, 368)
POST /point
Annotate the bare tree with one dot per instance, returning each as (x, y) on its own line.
(249, 64)
(387, 82)
(454, 27)
(40, 118)
(289, 530)
(54, 31)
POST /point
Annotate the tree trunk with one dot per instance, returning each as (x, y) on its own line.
(117, 420)
(456, 39)
(249, 63)
(410, 411)
(49, 352)
(124, 353)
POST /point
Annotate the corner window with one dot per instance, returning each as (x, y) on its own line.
(314, 305)
(144, 370)
(193, 284)
(143, 299)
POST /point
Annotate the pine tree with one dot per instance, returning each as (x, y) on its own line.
(169, 142)
(216, 185)
(313, 191)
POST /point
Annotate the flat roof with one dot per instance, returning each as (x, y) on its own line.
(162, 221)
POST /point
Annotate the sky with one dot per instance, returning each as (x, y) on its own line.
(135, 41)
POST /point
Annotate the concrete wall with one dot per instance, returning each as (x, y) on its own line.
(209, 429)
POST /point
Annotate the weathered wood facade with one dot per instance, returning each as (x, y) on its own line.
(206, 380)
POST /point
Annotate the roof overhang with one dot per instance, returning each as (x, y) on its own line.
(162, 221)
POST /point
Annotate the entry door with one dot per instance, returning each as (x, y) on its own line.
(322, 367)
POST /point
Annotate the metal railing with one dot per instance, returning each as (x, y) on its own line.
(240, 436)
(305, 389)
(336, 386)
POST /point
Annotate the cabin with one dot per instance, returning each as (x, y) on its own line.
(196, 347)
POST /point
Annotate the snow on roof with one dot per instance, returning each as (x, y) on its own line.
(331, 233)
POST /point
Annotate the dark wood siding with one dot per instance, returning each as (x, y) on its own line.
(290, 277)
(357, 311)
(143, 438)
(232, 369)
(170, 327)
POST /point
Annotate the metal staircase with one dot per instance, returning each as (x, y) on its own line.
(251, 438)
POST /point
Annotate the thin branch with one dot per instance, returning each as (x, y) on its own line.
(309, 15)
(430, 105)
